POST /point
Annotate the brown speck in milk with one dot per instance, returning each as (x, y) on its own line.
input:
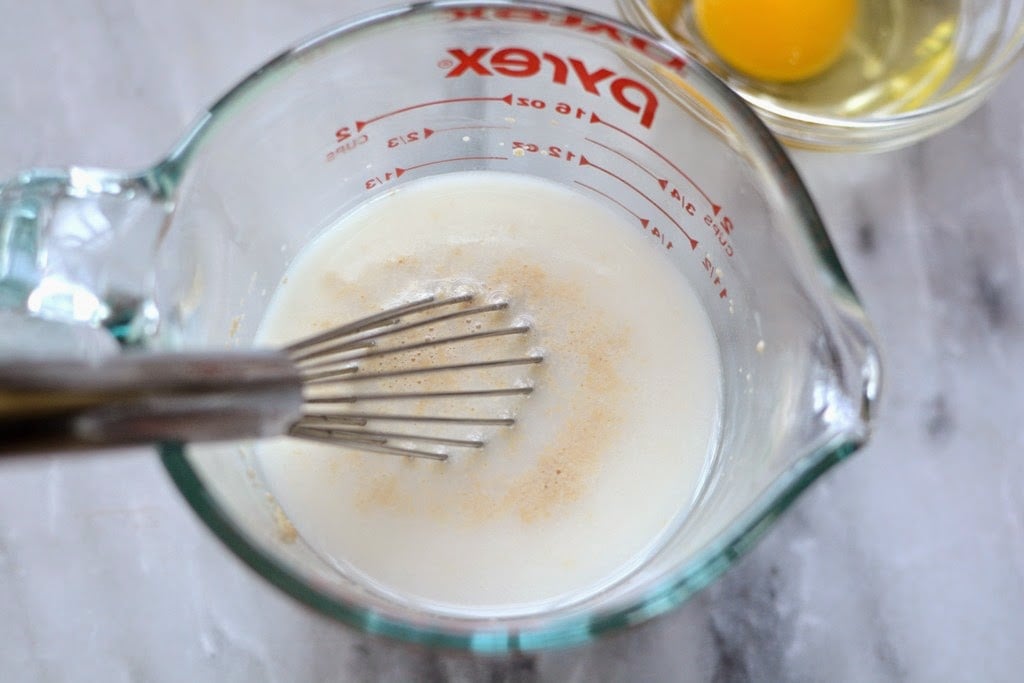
(285, 529)
(337, 287)
(382, 491)
(568, 464)
(236, 322)
(467, 488)
(334, 467)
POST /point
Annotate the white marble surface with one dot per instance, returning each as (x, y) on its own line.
(904, 564)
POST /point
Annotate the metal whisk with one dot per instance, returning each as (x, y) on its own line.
(336, 357)
(306, 390)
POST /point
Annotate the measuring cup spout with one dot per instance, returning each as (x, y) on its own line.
(77, 251)
(864, 362)
(846, 399)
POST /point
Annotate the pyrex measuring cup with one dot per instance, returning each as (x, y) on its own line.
(185, 255)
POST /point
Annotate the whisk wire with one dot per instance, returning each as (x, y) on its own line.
(335, 357)
(314, 419)
(443, 341)
(382, 319)
(373, 339)
(416, 395)
(349, 373)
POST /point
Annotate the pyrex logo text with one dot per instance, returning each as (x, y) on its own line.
(519, 62)
(569, 19)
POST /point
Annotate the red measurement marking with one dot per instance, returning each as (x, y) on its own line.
(507, 99)
(586, 162)
(400, 171)
(714, 207)
(643, 221)
(713, 275)
(627, 158)
(409, 138)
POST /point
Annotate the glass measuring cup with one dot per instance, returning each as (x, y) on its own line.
(186, 254)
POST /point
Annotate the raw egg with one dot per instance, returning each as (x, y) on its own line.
(776, 40)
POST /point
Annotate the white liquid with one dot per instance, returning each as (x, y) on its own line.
(608, 451)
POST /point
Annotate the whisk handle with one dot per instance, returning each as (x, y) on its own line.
(145, 398)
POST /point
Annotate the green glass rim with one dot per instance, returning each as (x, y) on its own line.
(695, 575)
(688, 578)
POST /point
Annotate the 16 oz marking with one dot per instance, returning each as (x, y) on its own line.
(527, 102)
(563, 108)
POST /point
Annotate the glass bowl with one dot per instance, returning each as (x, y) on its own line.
(958, 59)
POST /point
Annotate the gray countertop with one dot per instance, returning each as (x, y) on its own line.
(904, 564)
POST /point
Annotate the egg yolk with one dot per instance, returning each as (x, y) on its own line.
(776, 40)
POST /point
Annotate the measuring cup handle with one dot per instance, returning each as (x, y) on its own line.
(77, 246)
